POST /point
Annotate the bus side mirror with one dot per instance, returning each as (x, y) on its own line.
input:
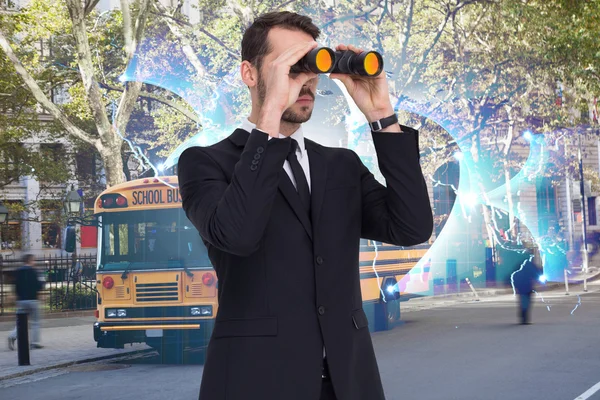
(70, 239)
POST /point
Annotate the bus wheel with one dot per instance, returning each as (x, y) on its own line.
(387, 310)
(393, 312)
(387, 315)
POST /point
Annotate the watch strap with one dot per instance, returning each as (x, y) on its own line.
(383, 123)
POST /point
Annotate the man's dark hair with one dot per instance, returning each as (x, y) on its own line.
(28, 259)
(255, 44)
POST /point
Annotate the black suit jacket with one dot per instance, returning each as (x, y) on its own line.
(289, 283)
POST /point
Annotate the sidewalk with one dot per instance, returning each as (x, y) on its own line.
(66, 341)
(491, 294)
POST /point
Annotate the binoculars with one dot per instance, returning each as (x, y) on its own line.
(323, 60)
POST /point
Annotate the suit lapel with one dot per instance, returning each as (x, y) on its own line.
(291, 195)
(318, 177)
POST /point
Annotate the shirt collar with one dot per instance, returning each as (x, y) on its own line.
(298, 135)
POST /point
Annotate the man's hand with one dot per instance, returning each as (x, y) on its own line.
(371, 94)
(282, 89)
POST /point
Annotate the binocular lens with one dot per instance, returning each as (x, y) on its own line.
(367, 63)
(372, 66)
(319, 61)
(323, 60)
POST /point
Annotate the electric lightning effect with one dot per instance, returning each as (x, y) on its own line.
(548, 305)
(577, 305)
(512, 276)
(164, 65)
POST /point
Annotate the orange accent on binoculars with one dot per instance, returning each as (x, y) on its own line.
(323, 60)
(371, 64)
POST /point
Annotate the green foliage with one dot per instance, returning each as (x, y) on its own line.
(79, 297)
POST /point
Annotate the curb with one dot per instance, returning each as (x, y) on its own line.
(7, 317)
(71, 363)
(484, 292)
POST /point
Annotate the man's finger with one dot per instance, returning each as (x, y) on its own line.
(355, 49)
(295, 53)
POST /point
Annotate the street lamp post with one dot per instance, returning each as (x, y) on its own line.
(3, 218)
(73, 205)
(583, 219)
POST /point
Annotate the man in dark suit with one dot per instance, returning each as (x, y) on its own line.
(282, 217)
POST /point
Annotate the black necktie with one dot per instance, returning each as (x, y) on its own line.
(301, 182)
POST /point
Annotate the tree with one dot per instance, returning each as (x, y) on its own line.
(65, 28)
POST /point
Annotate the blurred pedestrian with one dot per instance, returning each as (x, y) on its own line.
(28, 285)
(523, 281)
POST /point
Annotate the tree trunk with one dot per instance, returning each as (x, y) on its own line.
(113, 163)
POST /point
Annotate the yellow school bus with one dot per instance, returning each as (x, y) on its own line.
(156, 284)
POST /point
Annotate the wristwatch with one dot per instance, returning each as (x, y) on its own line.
(383, 123)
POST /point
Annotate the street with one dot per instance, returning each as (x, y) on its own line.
(444, 350)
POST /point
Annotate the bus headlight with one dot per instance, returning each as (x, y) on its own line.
(201, 311)
(111, 313)
(121, 313)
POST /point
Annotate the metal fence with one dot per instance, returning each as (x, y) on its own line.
(70, 282)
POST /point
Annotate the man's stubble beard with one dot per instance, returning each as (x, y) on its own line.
(288, 115)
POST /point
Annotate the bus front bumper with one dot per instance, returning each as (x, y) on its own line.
(115, 335)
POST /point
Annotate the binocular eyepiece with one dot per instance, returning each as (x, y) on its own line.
(323, 60)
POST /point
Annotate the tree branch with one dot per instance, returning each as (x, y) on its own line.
(39, 95)
(199, 29)
(90, 5)
(127, 28)
(132, 89)
(86, 68)
(173, 104)
(185, 43)
(405, 35)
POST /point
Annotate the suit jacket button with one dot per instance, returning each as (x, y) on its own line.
(256, 156)
(321, 310)
(255, 162)
(319, 260)
(253, 167)
(260, 149)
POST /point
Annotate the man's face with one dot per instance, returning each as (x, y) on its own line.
(280, 40)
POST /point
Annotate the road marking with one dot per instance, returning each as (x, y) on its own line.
(588, 393)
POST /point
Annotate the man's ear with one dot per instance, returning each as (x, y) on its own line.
(249, 74)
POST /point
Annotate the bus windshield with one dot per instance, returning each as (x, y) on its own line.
(152, 239)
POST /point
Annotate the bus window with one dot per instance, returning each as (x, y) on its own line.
(151, 239)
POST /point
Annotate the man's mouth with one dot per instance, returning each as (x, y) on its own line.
(305, 98)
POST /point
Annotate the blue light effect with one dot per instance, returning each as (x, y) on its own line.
(162, 63)
(543, 278)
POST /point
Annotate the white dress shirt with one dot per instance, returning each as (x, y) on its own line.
(301, 152)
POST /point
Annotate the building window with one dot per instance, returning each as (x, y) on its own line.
(546, 205)
(53, 154)
(51, 211)
(592, 211)
(51, 236)
(10, 156)
(85, 162)
(11, 230)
